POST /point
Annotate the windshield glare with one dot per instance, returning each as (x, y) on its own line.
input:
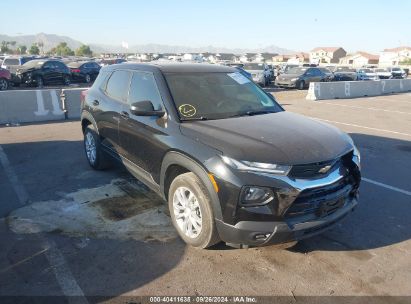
(298, 71)
(33, 63)
(217, 95)
(366, 71)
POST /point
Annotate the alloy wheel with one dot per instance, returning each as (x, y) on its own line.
(90, 146)
(187, 212)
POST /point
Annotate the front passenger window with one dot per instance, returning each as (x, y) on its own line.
(143, 87)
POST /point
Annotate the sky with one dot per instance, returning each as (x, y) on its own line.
(296, 25)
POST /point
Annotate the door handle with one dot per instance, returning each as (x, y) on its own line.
(125, 115)
(96, 102)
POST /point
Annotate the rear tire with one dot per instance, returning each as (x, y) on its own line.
(96, 157)
(87, 78)
(191, 212)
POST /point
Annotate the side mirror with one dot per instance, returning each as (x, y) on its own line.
(145, 108)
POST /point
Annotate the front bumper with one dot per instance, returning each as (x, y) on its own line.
(269, 233)
(306, 202)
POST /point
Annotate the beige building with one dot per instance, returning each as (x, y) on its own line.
(390, 57)
(360, 59)
(327, 54)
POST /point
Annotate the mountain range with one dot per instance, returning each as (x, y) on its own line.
(51, 40)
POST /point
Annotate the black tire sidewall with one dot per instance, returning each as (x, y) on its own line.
(301, 85)
(100, 162)
(7, 84)
(207, 236)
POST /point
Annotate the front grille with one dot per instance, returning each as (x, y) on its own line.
(321, 201)
(313, 170)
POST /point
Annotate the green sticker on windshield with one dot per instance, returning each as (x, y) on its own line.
(187, 110)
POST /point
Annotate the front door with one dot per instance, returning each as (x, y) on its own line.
(142, 138)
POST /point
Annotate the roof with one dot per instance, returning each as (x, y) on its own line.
(368, 55)
(77, 64)
(398, 49)
(174, 67)
(327, 49)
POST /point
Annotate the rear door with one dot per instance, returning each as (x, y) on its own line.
(141, 136)
(107, 107)
(49, 73)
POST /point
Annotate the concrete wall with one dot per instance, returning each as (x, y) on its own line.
(20, 106)
(352, 89)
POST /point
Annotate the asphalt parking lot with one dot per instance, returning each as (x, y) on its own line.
(68, 230)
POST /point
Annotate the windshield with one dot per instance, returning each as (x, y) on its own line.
(253, 66)
(381, 70)
(344, 69)
(298, 71)
(396, 69)
(11, 61)
(366, 71)
(217, 96)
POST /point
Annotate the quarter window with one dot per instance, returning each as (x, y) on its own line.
(117, 86)
(143, 87)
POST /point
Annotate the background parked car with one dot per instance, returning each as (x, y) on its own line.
(84, 71)
(300, 77)
(259, 71)
(366, 74)
(110, 61)
(12, 63)
(383, 73)
(344, 73)
(5, 79)
(397, 72)
(42, 72)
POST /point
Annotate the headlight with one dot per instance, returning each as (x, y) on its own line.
(294, 79)
(256, 167)
(255, 196)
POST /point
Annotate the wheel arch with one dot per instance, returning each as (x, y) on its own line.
(176, 163)
(86, 120)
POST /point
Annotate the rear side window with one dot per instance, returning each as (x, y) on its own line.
(101, 80)
(143, 87)
(118, 84)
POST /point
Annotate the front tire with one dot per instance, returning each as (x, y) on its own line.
(87, 78)
(4, 84)
(191, 212)
(96, 157)
(301, 85)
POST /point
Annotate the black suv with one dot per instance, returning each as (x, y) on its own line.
(42, 71)
(232, 164)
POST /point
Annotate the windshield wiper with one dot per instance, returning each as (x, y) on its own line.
(194, 118)
(252, 113)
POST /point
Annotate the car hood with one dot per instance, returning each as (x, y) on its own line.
(289, 76)
(24, 69)
(281, 138)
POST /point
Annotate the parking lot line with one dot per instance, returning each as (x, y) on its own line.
(11, 175)
(365, 108)
(386, 186)
(359, 126)
(58, 264)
